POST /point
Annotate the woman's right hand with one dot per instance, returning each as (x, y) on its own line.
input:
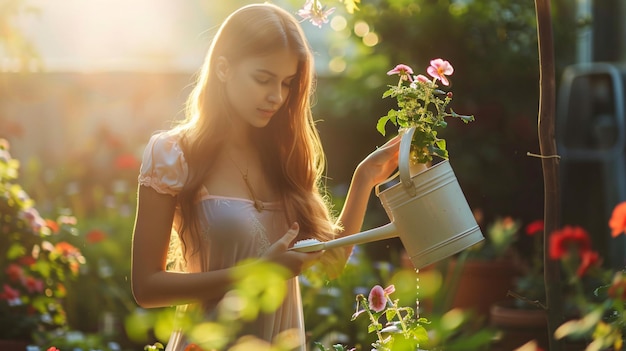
(295, 261)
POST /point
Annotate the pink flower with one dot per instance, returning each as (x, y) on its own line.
(315, 13)
(439, 69)
(403, 71)
(377, 299)
(34, 219)
(422, 78)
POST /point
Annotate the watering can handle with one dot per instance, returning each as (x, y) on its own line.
(403, 163)
(404, 157)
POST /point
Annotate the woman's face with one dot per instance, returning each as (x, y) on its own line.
(257, 87)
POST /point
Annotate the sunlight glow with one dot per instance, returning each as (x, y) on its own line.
(112, 34)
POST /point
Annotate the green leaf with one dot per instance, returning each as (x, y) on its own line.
(373, 327)
(390, 314)
(15, 251)
(380, 126)
(388, 93)
(441, 143)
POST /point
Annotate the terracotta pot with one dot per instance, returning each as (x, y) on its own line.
(483, 283)
(517, 326)
(13, 345)
(479, 285)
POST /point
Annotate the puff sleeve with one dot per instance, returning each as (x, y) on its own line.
(163, 166)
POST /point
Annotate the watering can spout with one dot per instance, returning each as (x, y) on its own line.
(386, 231)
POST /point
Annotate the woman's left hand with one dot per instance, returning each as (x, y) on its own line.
(379, 165)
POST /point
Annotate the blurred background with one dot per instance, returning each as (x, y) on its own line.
(83, 84)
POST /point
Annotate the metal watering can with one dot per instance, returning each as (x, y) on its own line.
(428, 211)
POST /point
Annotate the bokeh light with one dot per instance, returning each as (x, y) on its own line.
(361, 28)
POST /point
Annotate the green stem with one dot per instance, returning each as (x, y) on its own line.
(400, 319)
(374, 321)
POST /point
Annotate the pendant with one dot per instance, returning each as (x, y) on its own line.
(257, 203)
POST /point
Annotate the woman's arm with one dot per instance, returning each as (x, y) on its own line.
(374, 169)
(153, 286)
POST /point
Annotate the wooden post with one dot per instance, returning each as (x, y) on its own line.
(550, 165)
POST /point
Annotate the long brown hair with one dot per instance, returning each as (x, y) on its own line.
(290, 147)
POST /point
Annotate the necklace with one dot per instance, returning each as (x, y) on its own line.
(258, 205)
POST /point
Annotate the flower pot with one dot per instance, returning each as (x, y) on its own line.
(482, 284)
(476, 285)
(517, 326)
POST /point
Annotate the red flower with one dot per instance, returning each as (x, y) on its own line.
(33, 285)
(14, 272)
(618, 220)
(9, 293)
(27, 260)
(534, 227)
(192, 347)
(95, 236)
(562, 241)
(127, 161)
(52, 348)
(587, 259)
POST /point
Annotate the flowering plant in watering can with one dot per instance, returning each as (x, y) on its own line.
(422, 104)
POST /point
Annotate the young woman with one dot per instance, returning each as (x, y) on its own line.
(239, 178)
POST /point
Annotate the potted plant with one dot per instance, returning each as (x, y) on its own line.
(35, 261)
(521, 316)
(481, 275)
(442, 222)
(594, 297)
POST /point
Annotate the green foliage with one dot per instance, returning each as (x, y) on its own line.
(36, 258)
(258, 288)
